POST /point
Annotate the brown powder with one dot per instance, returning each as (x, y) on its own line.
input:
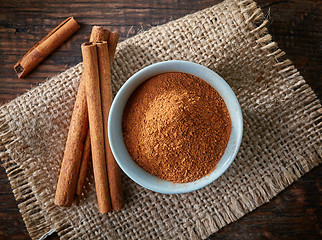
(176, 127)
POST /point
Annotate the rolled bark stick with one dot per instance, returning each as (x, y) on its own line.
(83, 167)
(113, 170)
(113, 39)
(47, 45)
(98, 34)
(114, 174)
(73, 150)
(93, 96)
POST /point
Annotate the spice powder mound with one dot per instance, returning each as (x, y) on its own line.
(176, 126)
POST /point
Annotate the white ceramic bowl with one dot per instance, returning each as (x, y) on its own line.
(138, 174)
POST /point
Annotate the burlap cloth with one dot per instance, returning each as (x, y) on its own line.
(281, 141)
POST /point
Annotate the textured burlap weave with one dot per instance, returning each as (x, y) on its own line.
(281, 142)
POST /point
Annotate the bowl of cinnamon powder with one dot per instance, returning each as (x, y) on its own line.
(175, 127)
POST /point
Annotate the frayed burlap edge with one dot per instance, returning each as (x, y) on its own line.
(35, 218)
(30, 209)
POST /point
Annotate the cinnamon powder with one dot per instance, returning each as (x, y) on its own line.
(176, 127)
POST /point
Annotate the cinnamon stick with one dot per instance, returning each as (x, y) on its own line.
(73, 151)
(114, 173)
(98, 34)
(113, 170)
(47, 45)
(91, 76)
(113, 39)
(83, 167)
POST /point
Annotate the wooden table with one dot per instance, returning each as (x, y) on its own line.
(296, 26)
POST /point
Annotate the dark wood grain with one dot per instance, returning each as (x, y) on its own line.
(295, 26)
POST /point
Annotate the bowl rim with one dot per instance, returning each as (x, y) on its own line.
(119, 150)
